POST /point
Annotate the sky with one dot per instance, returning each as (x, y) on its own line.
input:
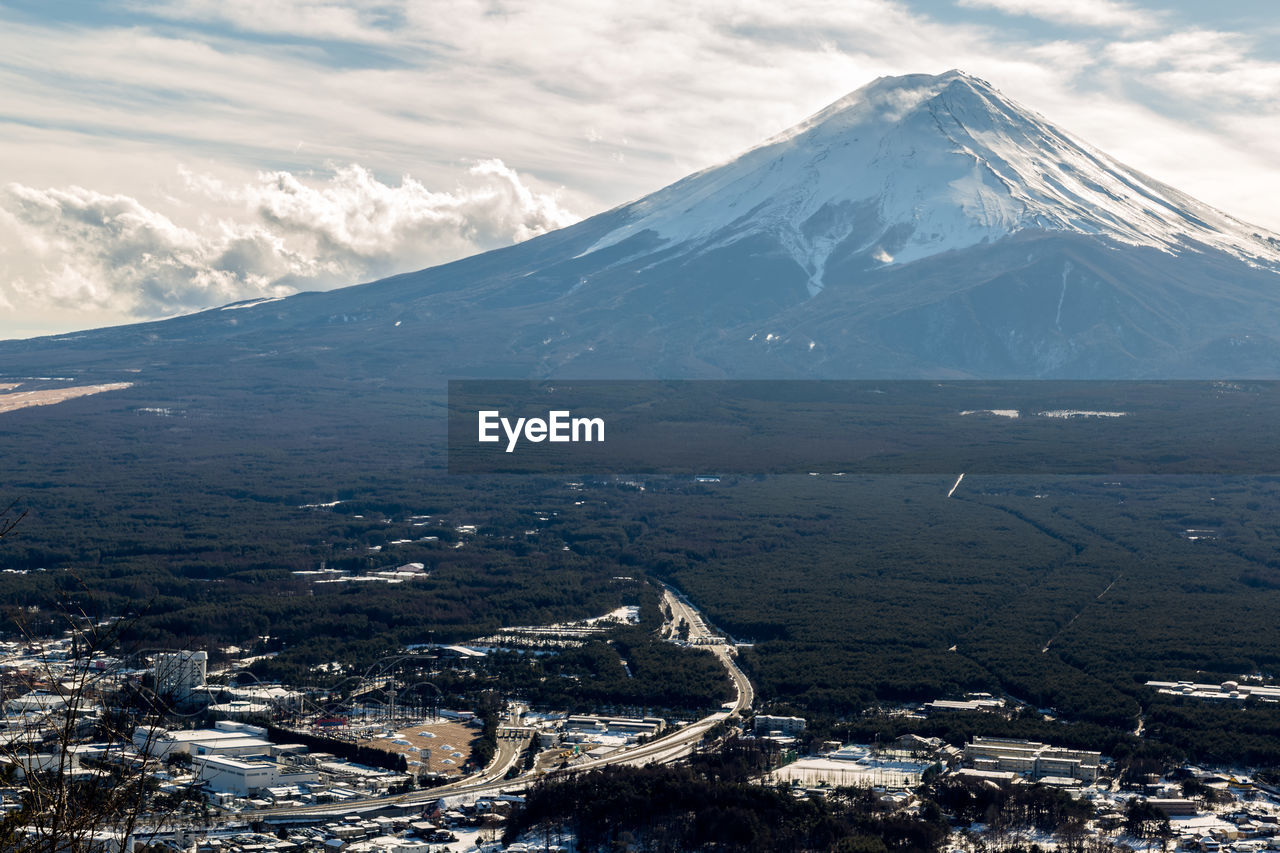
(161, 157)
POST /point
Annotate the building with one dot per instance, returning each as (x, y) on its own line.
(1031, 759)
(917, 745)
(1227, 691)
(241, 709)
(619, 726)
(975, 702)
(242, 777)
(1174, 806)
(228, 739)
(279, 698)
(180, 674)
(37, 703)
(765, 724)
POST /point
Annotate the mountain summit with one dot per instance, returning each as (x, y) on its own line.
(907, 167)
(922, 226)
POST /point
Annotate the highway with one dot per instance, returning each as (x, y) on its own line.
(701, 634)
(490, 781)
(677, 745)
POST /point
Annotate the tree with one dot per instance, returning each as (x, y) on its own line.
(10, 517)
(1196, 789)
(73, 743)
(1143, 820)
(861, 844)
(1072, 833)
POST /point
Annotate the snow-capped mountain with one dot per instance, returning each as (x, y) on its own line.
(920, 226)
(907, 167)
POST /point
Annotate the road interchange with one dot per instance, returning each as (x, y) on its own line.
(492, 781)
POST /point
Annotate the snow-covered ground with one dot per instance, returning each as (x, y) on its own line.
(1003, 413)
(909, 167)
(1067, 414)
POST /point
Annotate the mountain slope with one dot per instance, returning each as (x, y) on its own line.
(908, 167)
(921, 226)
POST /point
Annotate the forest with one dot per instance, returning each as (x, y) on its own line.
(850, 595)
(627, 671)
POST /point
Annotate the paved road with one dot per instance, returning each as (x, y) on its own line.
(701, 634)
(491, 781)
(487, 781)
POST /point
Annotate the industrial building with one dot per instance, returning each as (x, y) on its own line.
(243, 777)
(620, 726)
(227, 738)
(1227, 691)
(1031, 759)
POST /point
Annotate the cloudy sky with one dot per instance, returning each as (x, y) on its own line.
(161, 156)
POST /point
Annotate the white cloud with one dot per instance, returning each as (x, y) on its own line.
(87, 250)
(380, 228)
(366, 22)
(1107, 14)
(92, 250)
(1214, 68)
(609, 99)
(1192, 48)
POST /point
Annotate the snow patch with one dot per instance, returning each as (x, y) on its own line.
(1057, 320)
(1067, 414)
(251, 303)
(1003, 413)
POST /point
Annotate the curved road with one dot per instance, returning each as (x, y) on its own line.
(491, 781)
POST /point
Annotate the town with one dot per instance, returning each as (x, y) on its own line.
(207, 764)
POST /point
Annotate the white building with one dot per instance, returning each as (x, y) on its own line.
(1227, 691)
(765, 724)
(1031, 759)
(971, 704)
(239, 709)
(199, 742)
(242, 777)
(617, 726)
(180, 674)
(37, 702)
(271, 695)
(68, 761)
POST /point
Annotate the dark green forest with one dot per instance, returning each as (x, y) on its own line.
(1066, 594)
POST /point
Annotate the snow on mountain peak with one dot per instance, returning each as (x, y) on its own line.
(908, 167)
